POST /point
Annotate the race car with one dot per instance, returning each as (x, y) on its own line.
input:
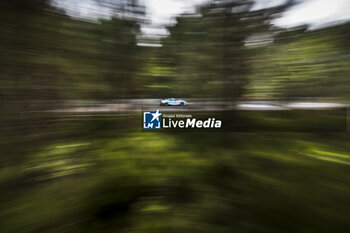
(172, 102)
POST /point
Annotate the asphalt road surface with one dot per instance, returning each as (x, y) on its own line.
(194, 105)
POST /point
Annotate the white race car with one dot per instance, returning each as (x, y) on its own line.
(172, 102)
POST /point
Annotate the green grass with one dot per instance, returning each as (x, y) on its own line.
(107, 180)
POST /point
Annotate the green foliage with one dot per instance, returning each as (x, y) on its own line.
(155, 182)
(304, 64)
(87, 173)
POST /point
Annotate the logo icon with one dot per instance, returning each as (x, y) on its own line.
(151, 120)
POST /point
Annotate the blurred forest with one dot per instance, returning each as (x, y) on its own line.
(93, 173)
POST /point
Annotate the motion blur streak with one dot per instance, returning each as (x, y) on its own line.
(72, 154)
